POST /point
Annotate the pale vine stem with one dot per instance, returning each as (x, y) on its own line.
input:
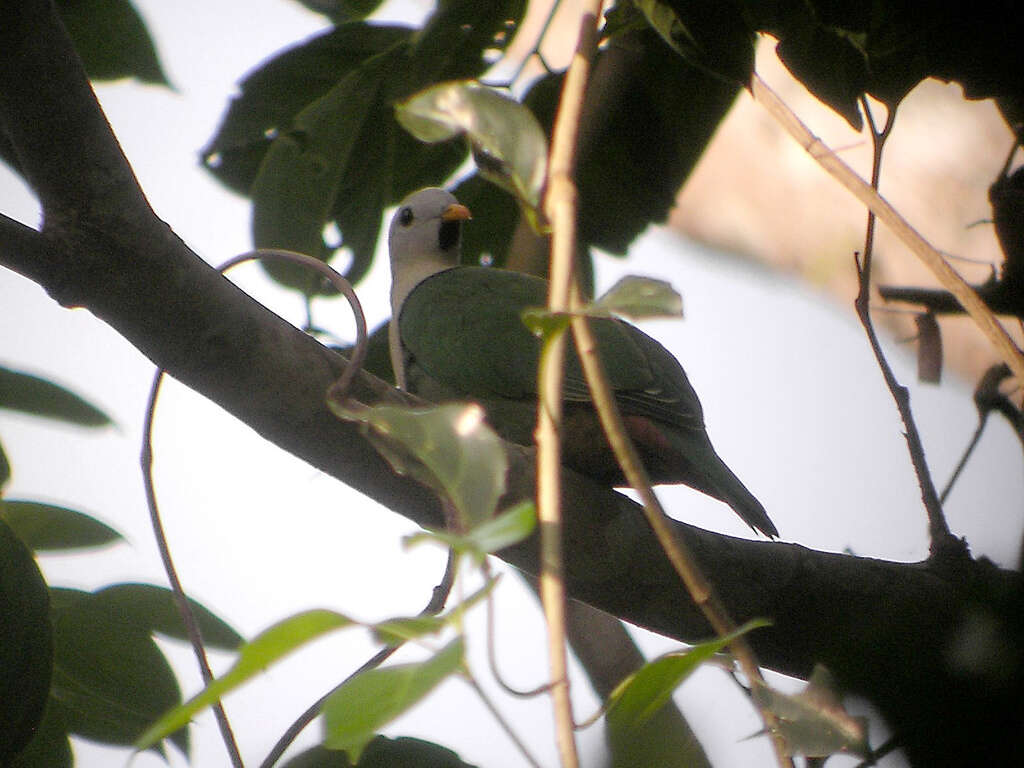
(336, 391)
(560, 209)
(947, 276)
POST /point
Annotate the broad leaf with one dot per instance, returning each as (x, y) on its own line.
(507, 142)
(112, 40)
(297, 184)
(110, 680)
(342, 10)
(269, 646)
(154, 609)
(449, 448)
(709, 34)
(26, 645)
(39, 397)
(47, 527)
(369, 701)
(382, 752)
(50, 746)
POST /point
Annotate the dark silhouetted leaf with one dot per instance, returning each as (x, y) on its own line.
(39, 397)
(110, 680)
(112, 40)
(48, 527)
(343, 10)
(26, 645)
(50, 747)
(154, 609)
(929, 349)
(297, 184)
(382, 752)
(369, 701)
(709, 34)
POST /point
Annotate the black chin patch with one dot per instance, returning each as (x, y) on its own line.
(448, 236)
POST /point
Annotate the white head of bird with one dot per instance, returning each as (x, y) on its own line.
(425, 237)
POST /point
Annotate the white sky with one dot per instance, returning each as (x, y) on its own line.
(791, 394)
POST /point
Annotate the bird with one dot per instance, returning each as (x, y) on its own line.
(456, 333)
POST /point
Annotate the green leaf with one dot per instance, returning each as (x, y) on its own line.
(369, 701)
(507, 142)
(640, 298)
(449, 448)
(269, 646)
(47, 527)
(543, 322)
(39, 397)
(405, 628)
(154, 609)
(271, 96)
(297, 184)
(50, 746)
(112, 40)
(26, 645)
(110, 680)
(814, 722)
(639, 697)
(342, 10)
(382, 752)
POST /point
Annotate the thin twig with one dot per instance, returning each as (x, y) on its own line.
(982, 421)
(438, 598)
(496, 714)
(336, 391)
(560, 209)
(184, 609)
(942, 541)
(950, 279)
(492, 655)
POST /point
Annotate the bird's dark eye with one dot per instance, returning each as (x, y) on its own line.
(405, 216)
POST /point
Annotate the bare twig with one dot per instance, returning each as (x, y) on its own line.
(933, 259)
(942, 541)
(184, 609)
(336, 391)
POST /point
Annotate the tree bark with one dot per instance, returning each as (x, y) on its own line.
(937, 645)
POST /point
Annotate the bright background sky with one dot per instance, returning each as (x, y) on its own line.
(791, 393)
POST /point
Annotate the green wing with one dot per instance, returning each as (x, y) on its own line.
(463, 328)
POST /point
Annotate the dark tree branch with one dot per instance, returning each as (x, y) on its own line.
(887, 630)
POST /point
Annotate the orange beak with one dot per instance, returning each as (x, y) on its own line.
(456, 212)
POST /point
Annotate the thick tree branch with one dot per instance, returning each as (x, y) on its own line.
(891, 631)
